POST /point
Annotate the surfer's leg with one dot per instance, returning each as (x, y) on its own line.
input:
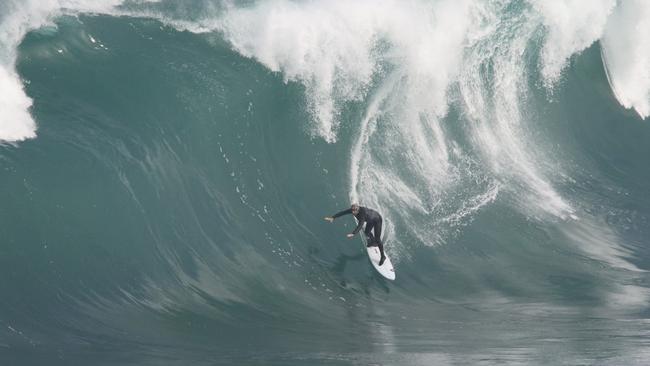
(368, 231)
(381, 251)
(377, 228)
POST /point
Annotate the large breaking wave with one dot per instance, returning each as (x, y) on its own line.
(174, 162)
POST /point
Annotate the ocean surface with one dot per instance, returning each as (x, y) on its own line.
(165, 168)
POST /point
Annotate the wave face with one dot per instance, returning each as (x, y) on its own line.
(166, 167)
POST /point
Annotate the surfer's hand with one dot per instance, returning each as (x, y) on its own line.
(350, 236)
(329, 218)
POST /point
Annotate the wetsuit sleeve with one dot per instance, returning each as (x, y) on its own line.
(344, 212)
(359, 225)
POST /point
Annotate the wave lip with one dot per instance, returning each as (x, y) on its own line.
(16, 19)
(16, 123)
(626, 55)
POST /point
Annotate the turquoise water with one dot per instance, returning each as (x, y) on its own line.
(166, 169)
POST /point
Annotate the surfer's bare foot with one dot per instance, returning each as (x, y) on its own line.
(381, 261)
(371, 245)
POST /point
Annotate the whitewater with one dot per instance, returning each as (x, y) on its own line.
(166, 167)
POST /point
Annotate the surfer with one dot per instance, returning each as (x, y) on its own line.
(372, 219)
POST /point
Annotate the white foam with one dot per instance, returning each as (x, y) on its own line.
(495, 107)
(626, 54)
(572, 26)
(15, 122)
(324, 45)
(335, 48)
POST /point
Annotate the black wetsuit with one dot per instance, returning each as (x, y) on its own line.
(373, 220)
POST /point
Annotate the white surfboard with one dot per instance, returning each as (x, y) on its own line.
(385, 269)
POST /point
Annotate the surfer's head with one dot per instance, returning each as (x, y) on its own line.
(355, 208)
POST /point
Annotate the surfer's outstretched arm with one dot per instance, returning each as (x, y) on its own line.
(339, 214)
(344, 212)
